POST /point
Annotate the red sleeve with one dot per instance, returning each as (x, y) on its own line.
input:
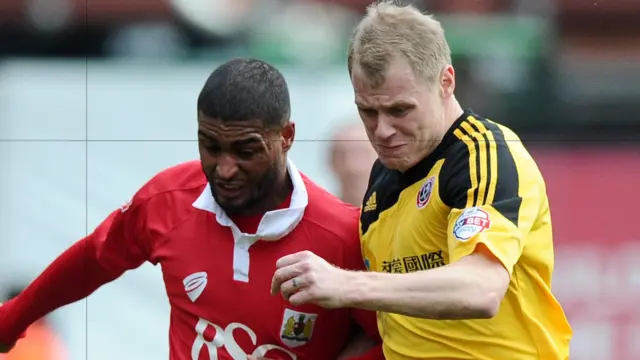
(101, 257)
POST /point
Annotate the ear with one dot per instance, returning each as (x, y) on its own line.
(288, 135)
(448, 81)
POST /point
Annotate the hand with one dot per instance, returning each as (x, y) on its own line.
(304, 277)
(6, 348)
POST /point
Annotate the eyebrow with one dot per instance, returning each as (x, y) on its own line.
(399, 103)
(242, 142)
(248, 141)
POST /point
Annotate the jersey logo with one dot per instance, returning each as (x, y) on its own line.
(297, 327)
(369, 259)
(194, 285)
(221, 343)
(425, 193)
(470, 223)
(370, 205)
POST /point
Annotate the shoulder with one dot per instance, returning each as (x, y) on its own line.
(334, 226)
(184, 177)
(330, 215)
(174, 188)
(484, 140)
(488, 157)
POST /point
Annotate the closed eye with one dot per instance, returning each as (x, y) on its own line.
(213, 148)
(246, 154)
(367, 111)
(398, 112)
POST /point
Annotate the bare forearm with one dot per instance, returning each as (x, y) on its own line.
(449, 292)
(73, 276)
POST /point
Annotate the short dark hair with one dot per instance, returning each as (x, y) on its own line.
(246, 89)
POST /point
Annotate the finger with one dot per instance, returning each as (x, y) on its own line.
(292, 258)
(290, 287)
(284, 274)
(301, 297)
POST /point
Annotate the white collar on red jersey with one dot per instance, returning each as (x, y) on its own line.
(274, 224)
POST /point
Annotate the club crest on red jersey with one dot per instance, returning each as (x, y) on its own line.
(424, 195)
(297, 327)
(470, 223)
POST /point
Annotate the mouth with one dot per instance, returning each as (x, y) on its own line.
(228, 190)
(390, 148)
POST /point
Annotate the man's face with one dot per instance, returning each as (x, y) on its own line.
(403, 117)
(242, 160)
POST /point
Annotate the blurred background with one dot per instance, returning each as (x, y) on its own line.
(96, 96)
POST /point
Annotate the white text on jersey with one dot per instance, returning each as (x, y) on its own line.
(223, 338)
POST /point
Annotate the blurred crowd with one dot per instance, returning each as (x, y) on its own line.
(569, 67)
(565, 74)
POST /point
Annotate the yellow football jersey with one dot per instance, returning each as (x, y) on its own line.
(480, 185)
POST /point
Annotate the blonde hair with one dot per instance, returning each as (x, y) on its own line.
(388, 31)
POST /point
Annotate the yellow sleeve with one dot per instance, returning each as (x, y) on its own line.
(493, 189)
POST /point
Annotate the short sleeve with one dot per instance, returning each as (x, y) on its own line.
(120, 239)
(494, 196)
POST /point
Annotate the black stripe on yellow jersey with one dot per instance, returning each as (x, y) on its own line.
(479, 185)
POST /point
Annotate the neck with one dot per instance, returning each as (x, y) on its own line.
(282, 188)
(452, 112)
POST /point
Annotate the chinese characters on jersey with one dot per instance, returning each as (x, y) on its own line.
(414, 263)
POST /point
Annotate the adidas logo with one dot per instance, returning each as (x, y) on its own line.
(194, 285)
(370, 205)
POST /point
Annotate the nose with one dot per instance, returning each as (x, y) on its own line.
(384, 129)
(226, 167)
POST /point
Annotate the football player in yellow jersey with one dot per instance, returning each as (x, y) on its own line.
(455, 224)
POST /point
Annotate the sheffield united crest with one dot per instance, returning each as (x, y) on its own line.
(425, 193)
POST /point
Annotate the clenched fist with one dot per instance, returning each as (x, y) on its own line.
(304, 277)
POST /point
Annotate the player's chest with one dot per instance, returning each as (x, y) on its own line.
(204, 263)
(412, 234)
(220, 287)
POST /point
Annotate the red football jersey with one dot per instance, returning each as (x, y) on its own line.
(218, 278)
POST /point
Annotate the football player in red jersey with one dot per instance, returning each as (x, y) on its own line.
(217, 228)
